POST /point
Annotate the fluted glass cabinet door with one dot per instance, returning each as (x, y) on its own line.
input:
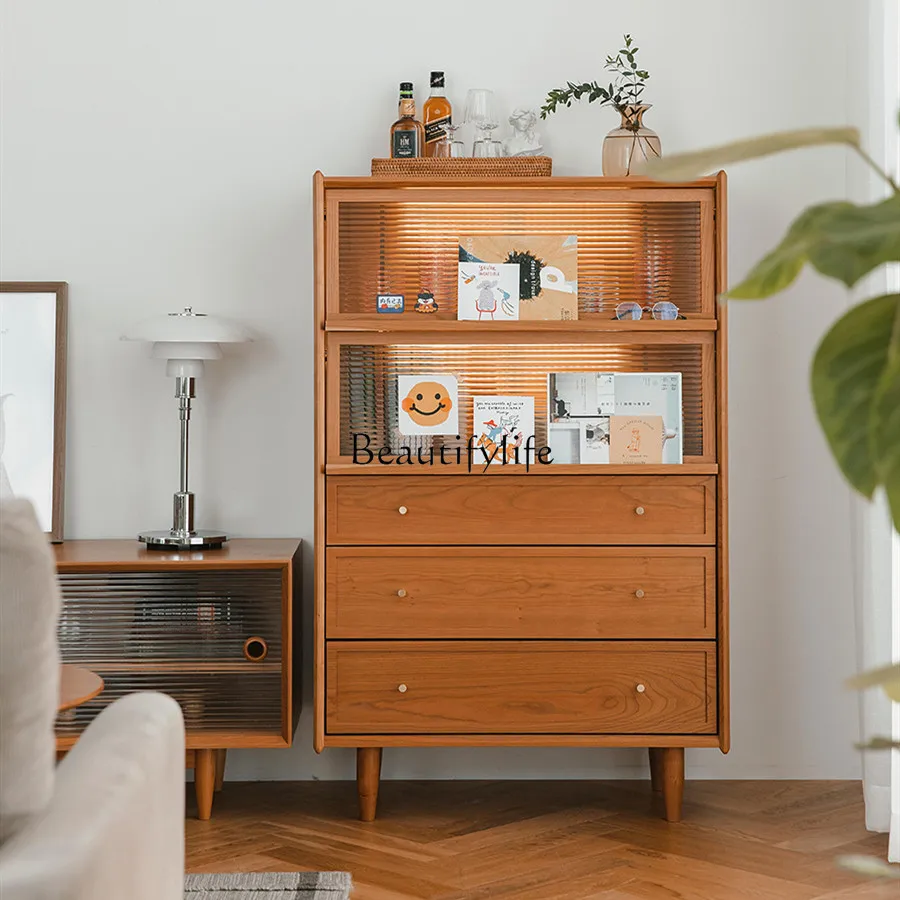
(635, 244)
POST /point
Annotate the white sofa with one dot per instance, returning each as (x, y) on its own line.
(108, 823)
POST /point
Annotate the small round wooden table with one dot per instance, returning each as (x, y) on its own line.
(77, 685)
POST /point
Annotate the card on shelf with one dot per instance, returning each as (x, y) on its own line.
(488, 292)
(547, 268)
(496, 418)
(636, 440)
(428, 404)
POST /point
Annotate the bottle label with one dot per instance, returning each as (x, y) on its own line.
(405, 144)
(436, 129)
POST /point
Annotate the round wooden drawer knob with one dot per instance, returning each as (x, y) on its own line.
(639, 594)
(640, 689)
(639, 510)
(402, 688)
(401, 593)
(403, 510)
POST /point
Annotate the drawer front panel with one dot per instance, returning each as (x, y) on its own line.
(545, 509)
(537, 687)
(520, 593)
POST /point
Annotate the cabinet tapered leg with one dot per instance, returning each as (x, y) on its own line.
(220, 768)
(204, 781)
(673, 781)
(656, 778)
(368, 773)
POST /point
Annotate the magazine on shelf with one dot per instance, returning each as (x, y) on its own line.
(583, 402)
(545, 265)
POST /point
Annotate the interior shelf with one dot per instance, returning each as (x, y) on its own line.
(422, 323)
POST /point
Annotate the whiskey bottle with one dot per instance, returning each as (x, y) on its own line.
(407, 133)
(436, 114)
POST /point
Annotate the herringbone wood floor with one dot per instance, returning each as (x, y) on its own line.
(562, 840)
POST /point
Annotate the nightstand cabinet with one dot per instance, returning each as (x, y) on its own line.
(214, 629)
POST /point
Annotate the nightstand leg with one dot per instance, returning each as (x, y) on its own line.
(220, 768)
(204, 781)
(368, 772)
(656, 778)
(673, 781)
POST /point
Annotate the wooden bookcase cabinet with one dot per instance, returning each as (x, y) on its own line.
(466, 610)
(215, 629)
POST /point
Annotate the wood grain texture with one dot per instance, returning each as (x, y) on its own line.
(116, 555)
(722, 592)
(321, 365)
(516, 592)
(409, 687)
(204, 782)
(550, 840)
(671, 770)
(569, 510)
(368, 774)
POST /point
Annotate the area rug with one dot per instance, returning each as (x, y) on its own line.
(268, 886)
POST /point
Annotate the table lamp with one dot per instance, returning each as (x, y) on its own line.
(185, 340)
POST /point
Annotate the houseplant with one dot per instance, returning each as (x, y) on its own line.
(631, 142)
(855, 377)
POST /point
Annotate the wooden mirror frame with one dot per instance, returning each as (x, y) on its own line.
(60, 289)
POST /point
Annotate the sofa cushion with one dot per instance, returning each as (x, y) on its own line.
(29, 666)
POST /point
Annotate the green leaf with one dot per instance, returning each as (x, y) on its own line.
(778, 269)
(879, 743)
(885, 431)
(686, 166)
(868, 865)
(856, 239)
(840, 239)
(847, 374)
(887, 677)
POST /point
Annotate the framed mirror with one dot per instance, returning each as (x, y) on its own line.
(33, 397)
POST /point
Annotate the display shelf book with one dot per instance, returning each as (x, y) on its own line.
(575, 605)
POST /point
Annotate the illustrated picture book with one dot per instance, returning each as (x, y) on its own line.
(496, 418)
(546, 266)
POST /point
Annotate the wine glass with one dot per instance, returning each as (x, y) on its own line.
(448, 147)
(479, 111)
(486, 147)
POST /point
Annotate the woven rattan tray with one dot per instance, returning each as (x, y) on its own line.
(509, 167)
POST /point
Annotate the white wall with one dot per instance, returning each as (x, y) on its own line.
(158, 154)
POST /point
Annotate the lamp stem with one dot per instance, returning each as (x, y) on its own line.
(183, 509)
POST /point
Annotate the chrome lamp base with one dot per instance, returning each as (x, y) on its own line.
(174, 540)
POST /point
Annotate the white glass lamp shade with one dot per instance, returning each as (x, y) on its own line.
(187, 338)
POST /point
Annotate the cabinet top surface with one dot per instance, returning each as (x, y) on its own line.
(553, 181)
(240, 552)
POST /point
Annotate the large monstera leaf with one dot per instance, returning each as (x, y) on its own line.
(856, 391)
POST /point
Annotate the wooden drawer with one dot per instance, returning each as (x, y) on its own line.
(564, 592)
(528, 687)
(513, 509)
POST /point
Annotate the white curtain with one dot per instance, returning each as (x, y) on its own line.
(877, 553)
(878, 633)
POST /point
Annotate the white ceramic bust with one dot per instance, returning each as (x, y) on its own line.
(525, 141)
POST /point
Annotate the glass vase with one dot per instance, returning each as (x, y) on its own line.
(625, 147)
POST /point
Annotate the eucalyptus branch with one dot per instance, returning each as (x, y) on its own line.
(624, 90)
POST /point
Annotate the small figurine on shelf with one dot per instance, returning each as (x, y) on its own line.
(425, 302)
(525, 141)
